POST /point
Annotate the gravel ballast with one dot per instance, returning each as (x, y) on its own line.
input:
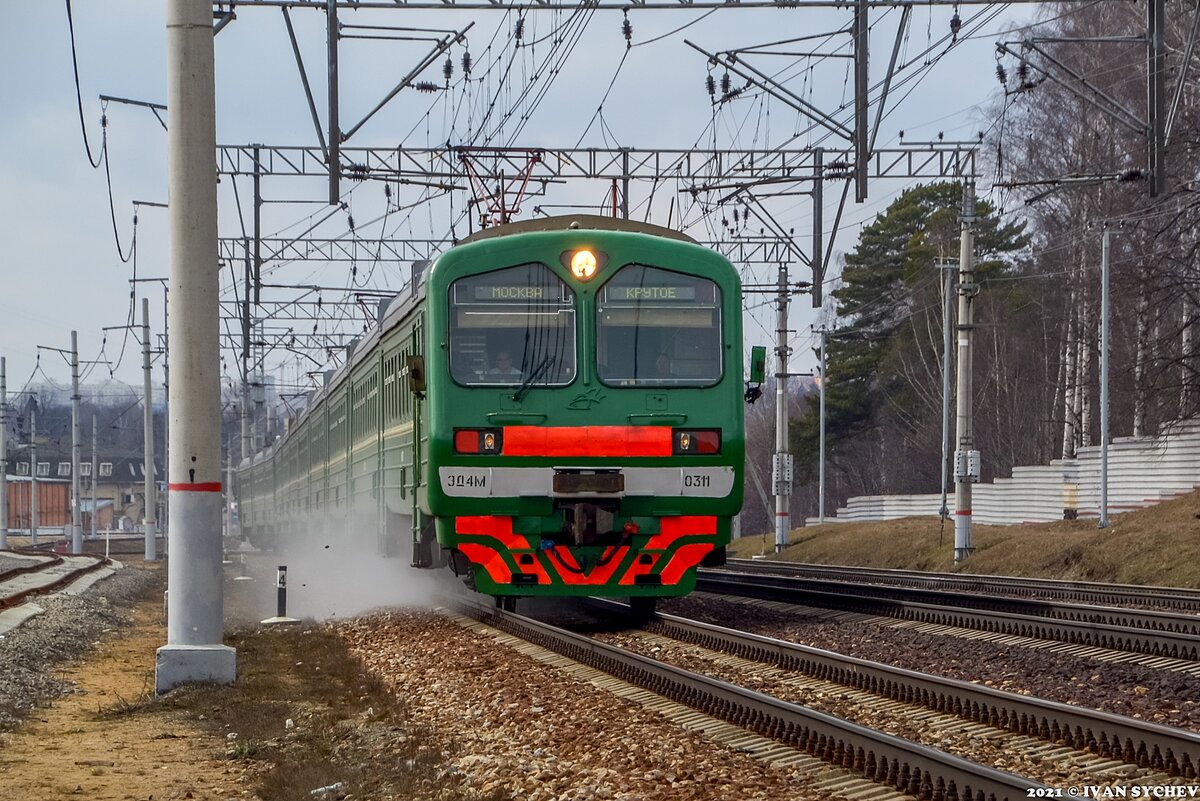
(68, 629)
(1160, 696)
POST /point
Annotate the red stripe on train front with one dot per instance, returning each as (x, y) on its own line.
(672, 528)
(684, 559)
(489, 559)
(495, 526)
(587, 441)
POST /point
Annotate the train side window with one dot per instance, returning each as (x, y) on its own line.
(660, 328)
(512, 325)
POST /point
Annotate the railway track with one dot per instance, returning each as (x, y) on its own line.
(881, 759)
(1179, 598)
(42, 573)
(1166, 635)
(1174, 752)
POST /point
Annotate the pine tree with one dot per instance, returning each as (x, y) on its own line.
(890, 290)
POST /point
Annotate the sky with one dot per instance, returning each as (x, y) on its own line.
(69, 256)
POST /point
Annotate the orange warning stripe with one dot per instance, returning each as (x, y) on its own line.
(495, 526)
(672, 528)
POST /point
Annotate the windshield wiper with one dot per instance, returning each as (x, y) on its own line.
(534, 376)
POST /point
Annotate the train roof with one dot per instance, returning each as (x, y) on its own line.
(568, 222)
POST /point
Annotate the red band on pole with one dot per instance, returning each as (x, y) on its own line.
(212, 486)
(966, 512)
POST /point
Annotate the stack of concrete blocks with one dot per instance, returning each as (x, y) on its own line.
(1142, 471)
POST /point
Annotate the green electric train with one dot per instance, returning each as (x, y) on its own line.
(552, 408)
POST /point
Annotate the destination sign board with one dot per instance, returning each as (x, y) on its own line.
(507, 293)
(637, 294)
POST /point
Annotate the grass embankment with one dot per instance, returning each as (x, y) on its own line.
(1158, 545)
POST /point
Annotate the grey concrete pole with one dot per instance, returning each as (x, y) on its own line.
(33, 489)
(3, 455)
(95, 475)
(821, 469)
(76, 449)
(947, 358)
(781, 471)
(149, 524)
(966, 463)
(194, 650)
(162, 522)
(1104, 355)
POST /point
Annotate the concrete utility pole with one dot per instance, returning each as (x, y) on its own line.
(163, 527)
(194, 649)
(1104, 310)
(966, 458)
(76, 449)
(947, 358)
(781, 469)
(149, 487)
(33, 493)
(824, 332)
(3, 455)
(95, 467)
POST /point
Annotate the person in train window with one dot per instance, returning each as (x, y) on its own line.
(503, 367)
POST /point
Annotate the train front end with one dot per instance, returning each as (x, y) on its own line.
(585, 418)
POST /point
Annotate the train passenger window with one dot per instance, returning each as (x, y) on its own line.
(511, 326)
(660, 328)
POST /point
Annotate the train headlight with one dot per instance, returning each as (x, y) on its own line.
(584, 264)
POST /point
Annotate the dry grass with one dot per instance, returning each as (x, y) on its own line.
(306, 711)
(1158, 545)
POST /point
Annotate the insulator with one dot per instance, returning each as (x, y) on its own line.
(448, 69)
(351, 221)
(710, 85)
(519, 29)
(725, 84)
(466, 62)
(426, 86)
(627, 29)
(735, 215)
(955, 25)
(724, 222)
(1001, 74)
(387, 191)
(1022, 72)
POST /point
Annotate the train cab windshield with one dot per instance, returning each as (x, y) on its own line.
(512, 327)
(658, 328)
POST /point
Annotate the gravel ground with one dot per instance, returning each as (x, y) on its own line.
(66, 631)
(1165, 697)
(833, 699)
(10, 562)
(523, 729)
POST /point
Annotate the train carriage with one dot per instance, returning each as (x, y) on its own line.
(553, 408)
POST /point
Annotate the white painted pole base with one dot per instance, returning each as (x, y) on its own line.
(187, 664)
(782, 521)
(151, 540)
(962, 537)
(194, 651)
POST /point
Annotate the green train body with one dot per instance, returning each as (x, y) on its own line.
(539, 433)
